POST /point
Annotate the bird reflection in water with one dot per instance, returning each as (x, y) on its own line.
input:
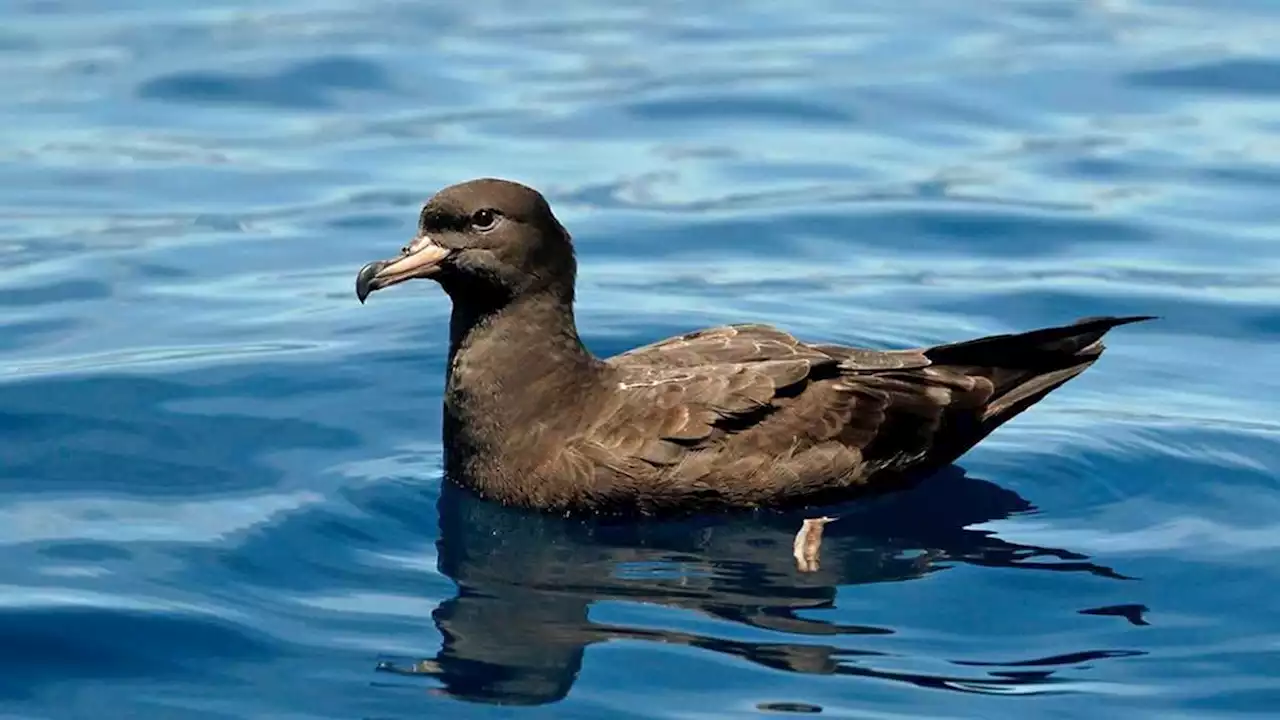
(518, 627)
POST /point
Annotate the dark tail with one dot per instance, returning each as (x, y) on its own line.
(1025, 367)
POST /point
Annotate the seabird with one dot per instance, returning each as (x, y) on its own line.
(731, 417)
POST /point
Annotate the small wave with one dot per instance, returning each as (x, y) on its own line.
(123, 521)
(155, 359)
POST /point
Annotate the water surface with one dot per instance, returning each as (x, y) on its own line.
(219, 474)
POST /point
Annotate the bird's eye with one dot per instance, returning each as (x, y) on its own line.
(484, 219)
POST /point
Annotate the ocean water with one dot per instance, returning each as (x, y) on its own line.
(220, 490)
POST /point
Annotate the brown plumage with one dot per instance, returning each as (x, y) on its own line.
(729, 417)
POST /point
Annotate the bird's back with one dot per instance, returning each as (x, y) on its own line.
(747, 415)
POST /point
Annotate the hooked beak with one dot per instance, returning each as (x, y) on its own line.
(420, 258)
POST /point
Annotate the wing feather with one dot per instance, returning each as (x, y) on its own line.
(749, 414)
(744, 415)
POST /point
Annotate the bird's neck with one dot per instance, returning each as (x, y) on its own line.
(515, 374)
(525, 335)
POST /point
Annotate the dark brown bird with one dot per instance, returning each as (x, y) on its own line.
(737, 416)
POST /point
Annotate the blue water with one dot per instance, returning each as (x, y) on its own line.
(220, 491)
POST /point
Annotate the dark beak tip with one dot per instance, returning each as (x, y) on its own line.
(364, 280)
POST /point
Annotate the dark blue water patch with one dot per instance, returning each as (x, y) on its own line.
(1030, 233)
(220, 222)
(30, 333)
(168, 37)
(386, 198)
(187, 190)
(115, 434)
(739, 107)
(57, 646)
(914, 228)
(901, 107)
(743, 289)
(1186, 590)
(270, 381)
(1265, 323)
(47, 8)
(777, 171)
(624, 115)
(1243, 174)
(917, 112)
(1243, 76)
(355, 390)
(88, 552)
(1244, 701)
(17, 42)
(320, 548)
(1198, 316)
(158, 271)
(633, 195)
(54, 292)
(1140, 466)
(38, 249)
(1113, 169)
(936, 195)
(310, 85)
(1059, 16)
(367, 221)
